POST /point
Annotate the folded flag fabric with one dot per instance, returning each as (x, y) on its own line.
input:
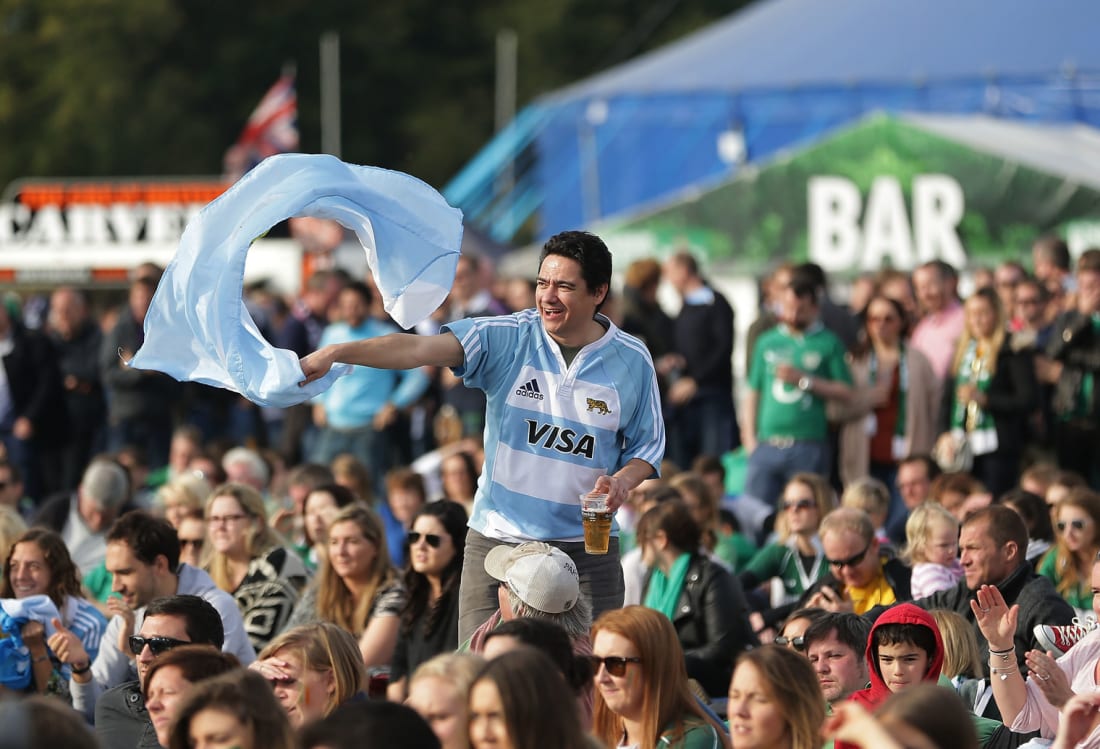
(198, 328)
(15, 658)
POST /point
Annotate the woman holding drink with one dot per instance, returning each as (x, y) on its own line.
(705, 603)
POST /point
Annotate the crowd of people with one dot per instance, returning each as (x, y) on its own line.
(889, 540)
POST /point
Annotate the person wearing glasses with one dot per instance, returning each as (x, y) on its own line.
(792, 563)
(643, 698)
(893, 409)
(1069, 564)
(429, 623)
(793, 632)
(143, 559)
(704, 602)
(121, 718)
(250, 562)
(862, 575)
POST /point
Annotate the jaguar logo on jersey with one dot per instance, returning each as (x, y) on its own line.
(565, 441)
(600, 406)
(530, 389)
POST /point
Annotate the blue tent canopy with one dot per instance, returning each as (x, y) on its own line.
(775, 75)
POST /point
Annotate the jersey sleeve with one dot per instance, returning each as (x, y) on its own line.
(488, 345)
(644, 433)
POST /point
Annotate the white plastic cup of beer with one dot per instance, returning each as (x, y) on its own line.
(596, 519)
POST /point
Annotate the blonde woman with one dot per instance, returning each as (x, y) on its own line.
(1069, 564)
(795, 560)
(356, 587)
(989, 394)
(247, 559)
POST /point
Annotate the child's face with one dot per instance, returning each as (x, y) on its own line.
(902, 665)
(943, 544)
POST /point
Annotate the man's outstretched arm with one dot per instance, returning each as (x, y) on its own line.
(394, 351)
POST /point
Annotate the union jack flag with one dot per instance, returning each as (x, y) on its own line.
(271, 128)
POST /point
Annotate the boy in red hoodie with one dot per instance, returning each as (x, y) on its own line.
(905, 648)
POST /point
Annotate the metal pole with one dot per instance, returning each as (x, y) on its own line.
(330, 93)
(507, 45)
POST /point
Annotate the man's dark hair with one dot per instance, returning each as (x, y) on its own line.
(945, 270)
(903, 634)
(816, 273)
(148, 537)
(13, 470)
(1089, 261)
(930, 466)
(361, 289)
(1054, 249)
(387, 724)
(1003, 524)
(588, 251)
(202, 621)
(851, 630)
(804, 284)
(1034, 510)
(552, 640)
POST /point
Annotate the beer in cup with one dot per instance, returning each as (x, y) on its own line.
(596, 518)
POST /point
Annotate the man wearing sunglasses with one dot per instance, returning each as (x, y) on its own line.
(143, 559)
(861, 576)
(121, 719)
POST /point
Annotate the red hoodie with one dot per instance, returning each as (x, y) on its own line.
(905, 613)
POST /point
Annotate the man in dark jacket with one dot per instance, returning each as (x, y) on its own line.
(77, 339)
(992, 545)
(121, 719)
(140, 403)
(702, 420)
(32, 407)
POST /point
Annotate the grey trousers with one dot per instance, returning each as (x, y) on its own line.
(601, 578)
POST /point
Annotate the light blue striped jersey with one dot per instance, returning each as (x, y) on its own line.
(551, 431)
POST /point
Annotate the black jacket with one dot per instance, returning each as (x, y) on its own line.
(35, 383)
(1038, 600)
(1076, 344)
(712, 622)
(121, 720)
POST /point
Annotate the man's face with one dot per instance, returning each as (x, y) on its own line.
(466, 281)
(913, 483)
(852, 560)
(1028, 304)
(564, 301)
(352, 307)
(797, 311)
(133, 580)
(174, 627)
(1006, 278)
(1088, 292)
(10, 491)
(676, 273)
(840, 670)
(983, 562)
(931, 289)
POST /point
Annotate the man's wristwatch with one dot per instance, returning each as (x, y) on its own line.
(82, 669)
(805, 383)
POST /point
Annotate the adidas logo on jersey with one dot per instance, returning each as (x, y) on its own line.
(530, 389)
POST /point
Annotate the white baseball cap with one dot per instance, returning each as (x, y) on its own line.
(543, 576)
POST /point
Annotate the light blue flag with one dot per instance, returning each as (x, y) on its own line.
(198, 328)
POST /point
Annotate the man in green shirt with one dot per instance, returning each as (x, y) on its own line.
(796, 368)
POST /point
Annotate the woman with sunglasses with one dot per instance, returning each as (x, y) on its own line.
(895, 399)
(1069, 564)
(39, 564)
(313, 669)
(355, 587)
(705, 603)
(429, 623)
(794, 628)
(642, 695)
(792, 563)
(249, 561)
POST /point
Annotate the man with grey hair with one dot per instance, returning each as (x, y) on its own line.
(245, 466)
(538, 581)
(83, 517)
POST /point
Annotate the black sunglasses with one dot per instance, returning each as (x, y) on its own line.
(798, 504)
(196, 542)
(798, 643)
(1077, 524)
(432, 539)
(157, 645)
(615, 664)
(851, 561)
